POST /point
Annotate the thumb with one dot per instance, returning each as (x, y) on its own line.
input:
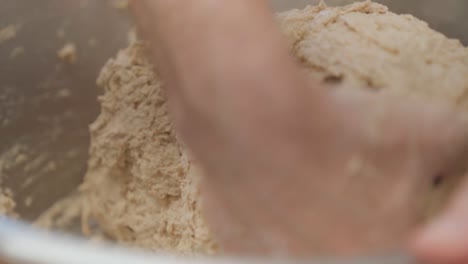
(445, 240)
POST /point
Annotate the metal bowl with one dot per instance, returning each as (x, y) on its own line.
(46, 106)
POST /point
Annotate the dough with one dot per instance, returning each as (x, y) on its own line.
(142, 186)
(68, 53)
(7, 204)
(9, 32)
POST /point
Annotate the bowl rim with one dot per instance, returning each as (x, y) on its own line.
(22, 243)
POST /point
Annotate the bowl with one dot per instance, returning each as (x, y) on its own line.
(46, 106)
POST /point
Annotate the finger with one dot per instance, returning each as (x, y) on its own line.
(146, 17)
(445, 240)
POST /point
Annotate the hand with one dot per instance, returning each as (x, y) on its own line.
(352, 182)
(290, 169)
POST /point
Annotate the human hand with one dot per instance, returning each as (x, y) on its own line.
(290, 169)
(352, 182)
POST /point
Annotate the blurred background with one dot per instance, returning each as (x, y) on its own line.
(46, 104)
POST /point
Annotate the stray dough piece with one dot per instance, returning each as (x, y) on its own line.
(121, 5)
(28, 201)
(9, 32)
(7, 204)
(18, 51)
(63, 215)
(64, 93)
(68, 53)
(142, 186)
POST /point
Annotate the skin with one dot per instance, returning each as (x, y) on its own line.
(280, 154)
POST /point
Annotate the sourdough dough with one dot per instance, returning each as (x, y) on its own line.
(7, 204)
(9, 32)
(68, 53)
(142, 187)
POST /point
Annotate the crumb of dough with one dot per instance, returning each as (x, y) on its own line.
(28, 201)
(120, 5)
(92, 42)
(16, 52)
(7, 204)
(142, 187)
(9, 159)
(62, 215)
(9, 32)
(68, 53)
(64, 93)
